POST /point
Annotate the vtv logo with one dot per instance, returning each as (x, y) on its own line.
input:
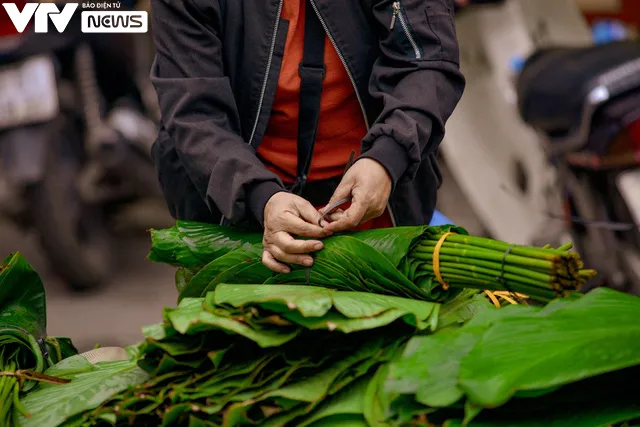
(42, 12)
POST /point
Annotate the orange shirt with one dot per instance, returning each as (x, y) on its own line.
(341, 125)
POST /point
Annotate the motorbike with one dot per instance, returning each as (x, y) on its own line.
(585, 104)
(76, 129)
(549, 160)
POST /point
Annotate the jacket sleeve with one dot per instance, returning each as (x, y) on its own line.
(199, 111)
(417, 79)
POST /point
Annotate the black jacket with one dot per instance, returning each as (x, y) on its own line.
(216, 74)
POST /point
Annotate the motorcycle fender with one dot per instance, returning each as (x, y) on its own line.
(23, 152)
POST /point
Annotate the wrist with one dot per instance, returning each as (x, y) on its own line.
(258, 197)
(373, 165)
(391, 156)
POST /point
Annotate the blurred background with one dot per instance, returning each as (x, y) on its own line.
(544, 148)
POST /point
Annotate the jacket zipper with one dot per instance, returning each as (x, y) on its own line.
(268, 70)
(274, 38)
(397, 14)
(353, 82)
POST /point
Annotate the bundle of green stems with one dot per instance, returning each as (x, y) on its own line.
(477, 262)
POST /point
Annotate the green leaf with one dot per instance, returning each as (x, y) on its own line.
(193, 245)
(341, 421)
(310, 301)
(376, 400)
(23, 319)
(602, 401)
(349, 401)
(228, 268)
(310, 306)
(430, 367)
(464, 307)
(393, 243)
(501, 353)
(183, 277)
(190, 318)
(22, 298)
(557, 345)
(90, 386)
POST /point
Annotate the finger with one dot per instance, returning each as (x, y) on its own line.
(309, 213)
(288, 258)
(349, 219)
(342, 192)
(339, 213)
(296, 225)
(272, 264)
(289, 245)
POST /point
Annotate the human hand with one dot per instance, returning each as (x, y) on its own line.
(285, 215)
(368, 183)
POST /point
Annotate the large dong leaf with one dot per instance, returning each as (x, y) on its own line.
(243, 265)
(23, 318)
(593, 335)
(311, 306)
(22, 297)
(90, 386)
(193, 244)
(502, 352)
(351, 264)
(602, 401)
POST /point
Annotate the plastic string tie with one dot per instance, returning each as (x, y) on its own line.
(436, 260)
(500, 278)
(503, 281)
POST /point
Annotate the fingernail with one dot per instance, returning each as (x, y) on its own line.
(318, 246)
(323, 223)
(308, 262)
(286, 271)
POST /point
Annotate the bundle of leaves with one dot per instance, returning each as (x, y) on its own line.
(251, 355)
(571, 363)
(425, 263)
(25, 349)
(307, 356)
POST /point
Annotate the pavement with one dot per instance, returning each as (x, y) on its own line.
(114, 315)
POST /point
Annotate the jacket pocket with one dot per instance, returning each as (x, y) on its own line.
(402, 31)
(441, 26)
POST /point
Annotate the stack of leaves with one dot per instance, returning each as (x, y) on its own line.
(25, 350)
(571, 363)
(255, 355)
(426, 263)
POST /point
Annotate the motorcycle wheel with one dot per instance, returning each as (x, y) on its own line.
(598, 247)
(74, 235)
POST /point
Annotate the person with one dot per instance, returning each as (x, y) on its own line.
(264, 103)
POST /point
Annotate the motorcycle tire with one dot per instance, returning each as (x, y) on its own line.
(73, 234)
(598, 247)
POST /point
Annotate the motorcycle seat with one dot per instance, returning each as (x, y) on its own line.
(559, 89)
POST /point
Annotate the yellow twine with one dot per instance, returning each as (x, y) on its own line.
(436, 260)
(505, 295)
(493, 298)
